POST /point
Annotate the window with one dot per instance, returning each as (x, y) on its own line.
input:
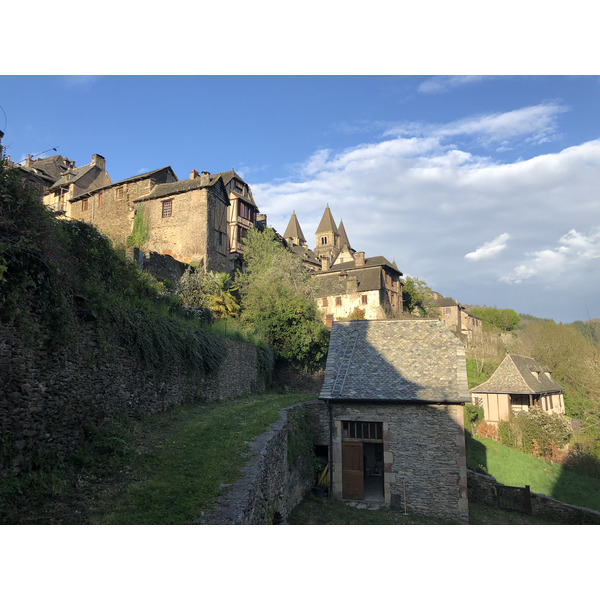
(120, 192)
(364, 299)
(325, 302)
(338, 301)
(245, 211)
(324, 241)
(447, 311)
(100, 198)
(167, 208)
(362, 430)
(84, 205)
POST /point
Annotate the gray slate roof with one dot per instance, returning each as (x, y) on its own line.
(178, 187)
(328, 283)
(514, 376)
(410, 361)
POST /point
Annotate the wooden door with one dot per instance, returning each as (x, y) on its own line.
(352, 471)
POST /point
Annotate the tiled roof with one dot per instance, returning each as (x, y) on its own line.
(515, 376)
(374, 261)
(293, 229)
(327, 223)
(178, 187)
(328, 283)
(395, 360)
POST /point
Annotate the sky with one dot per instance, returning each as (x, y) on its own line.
(484, 187)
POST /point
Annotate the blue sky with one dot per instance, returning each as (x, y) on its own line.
(486, 187)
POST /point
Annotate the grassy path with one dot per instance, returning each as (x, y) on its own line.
(163, 469)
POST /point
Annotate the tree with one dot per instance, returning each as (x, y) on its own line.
(277, 300)
(417, 297)
(504, 319)
(212, 290)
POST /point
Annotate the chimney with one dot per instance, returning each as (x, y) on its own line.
(99, 161)
(205, 178)
(352, 285)
(194, 174)
(359, 259)
(324, 263)
(28, 161)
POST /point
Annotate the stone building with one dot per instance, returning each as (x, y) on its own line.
(517, 385)
(345, 279)
(394, 392)
(111, 207)
(457, 318)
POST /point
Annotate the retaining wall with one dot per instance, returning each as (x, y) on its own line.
(47, 401)
(482, 488)
(268, 490)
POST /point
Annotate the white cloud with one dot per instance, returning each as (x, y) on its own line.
(574, 253)
(489, 249)
(443, 83)
(532, 125)
(427, 204)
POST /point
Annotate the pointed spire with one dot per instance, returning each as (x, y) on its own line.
(327, 223)
(343, 236)
(294, 231)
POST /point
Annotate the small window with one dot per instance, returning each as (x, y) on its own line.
(120, 192)
(338, 301)
(364, 299)
(84, 205)
(447, 311)
(100, 198)
(325, 302)
(167, 208)
(245, 211)
(324, 241)
(362, 430)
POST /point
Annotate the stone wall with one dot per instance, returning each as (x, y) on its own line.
(482, 488)
(423, 456)
(268, 490)
(48, 400)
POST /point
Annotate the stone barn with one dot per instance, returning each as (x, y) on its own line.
(394, 392)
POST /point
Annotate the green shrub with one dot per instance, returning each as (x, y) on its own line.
(473, 416)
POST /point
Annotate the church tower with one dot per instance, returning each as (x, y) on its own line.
(328, 239)
(293, 233)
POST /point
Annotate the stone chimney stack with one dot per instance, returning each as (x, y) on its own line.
(194, 174)
(359, 259)
(352, 284)
(205, 178)
(325, 263)
(99, 161)
(28, 161)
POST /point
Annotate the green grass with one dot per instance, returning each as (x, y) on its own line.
(163, 469)
(511, 467)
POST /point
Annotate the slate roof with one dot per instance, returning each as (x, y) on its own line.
(119, 183)
(178, 187)
(51, 167)
(73, 175)
(293, 229)
(514, 376)
(404, 361)
(343, 236)
(328, 283)
(327, 223)
(374, 261)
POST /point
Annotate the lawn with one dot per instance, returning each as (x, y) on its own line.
(511, 467)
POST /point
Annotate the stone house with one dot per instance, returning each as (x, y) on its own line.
(457, 318)
(346, 279)
(517, 385)
(73, 182)
(187, 220)
(111, 208)
(394, 392)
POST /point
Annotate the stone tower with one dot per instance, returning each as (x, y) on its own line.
(328, 239)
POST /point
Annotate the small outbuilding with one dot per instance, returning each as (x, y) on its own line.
(394, 392)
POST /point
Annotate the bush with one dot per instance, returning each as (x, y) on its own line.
(473, 416)
(506, 434)
(488, 430)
